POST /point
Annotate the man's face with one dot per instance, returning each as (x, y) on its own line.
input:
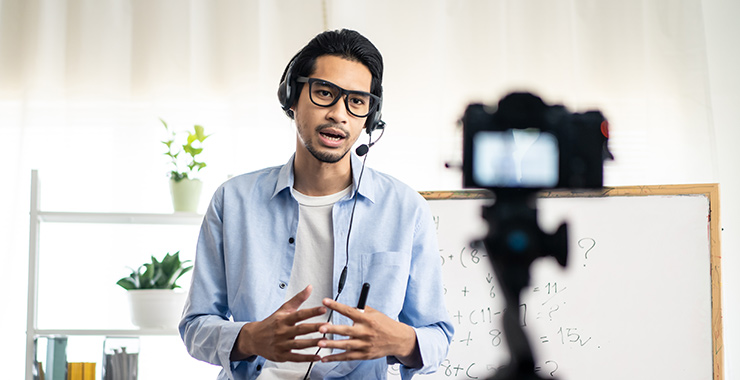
(328, 133)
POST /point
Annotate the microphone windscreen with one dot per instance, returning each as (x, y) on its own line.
(362, 150)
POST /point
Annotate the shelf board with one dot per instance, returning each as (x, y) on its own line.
(188, 218)
(106, 332)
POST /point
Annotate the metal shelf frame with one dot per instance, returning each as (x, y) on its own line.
(36, 218)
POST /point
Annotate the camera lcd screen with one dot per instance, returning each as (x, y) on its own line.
(516, 158)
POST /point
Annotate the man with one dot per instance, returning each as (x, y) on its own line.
(284, 249)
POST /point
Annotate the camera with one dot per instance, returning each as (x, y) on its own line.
(515, 150)
(526, 144)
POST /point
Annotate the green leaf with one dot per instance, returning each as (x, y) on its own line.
(200, 132)
(148, 274)
(183, 271)
(191, 139)
(178, 176)
(126, 283)
(170, 265)
(192, 151)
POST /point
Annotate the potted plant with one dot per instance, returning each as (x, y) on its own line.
(184, 188)
(155, 298)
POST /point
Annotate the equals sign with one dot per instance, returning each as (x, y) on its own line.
(544, 339)
(536, 289)
(537, 369)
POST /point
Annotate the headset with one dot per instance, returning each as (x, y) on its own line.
(288, 95)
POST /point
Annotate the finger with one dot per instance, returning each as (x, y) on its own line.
(347, 311)
(344, 330)
(298, 299)
(368, 310)
(345, 356)
(307, 328)
(303, 314)
(344, 344)
(299, 344)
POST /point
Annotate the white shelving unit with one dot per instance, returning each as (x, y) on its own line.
(37, 217)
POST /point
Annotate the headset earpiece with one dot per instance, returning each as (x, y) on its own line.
(374, 121)
(286, 91)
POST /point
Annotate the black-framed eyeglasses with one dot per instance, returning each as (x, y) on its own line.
(325, 94)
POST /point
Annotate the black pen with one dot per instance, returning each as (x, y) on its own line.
(363, 296)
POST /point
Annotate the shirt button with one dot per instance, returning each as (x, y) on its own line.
(283, 285)
(291, 240)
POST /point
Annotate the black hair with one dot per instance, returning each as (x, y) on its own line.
(344, 43)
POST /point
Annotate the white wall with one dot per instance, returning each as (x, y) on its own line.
(723, 35)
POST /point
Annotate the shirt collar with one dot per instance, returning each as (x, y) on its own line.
(286, 177)
(367, 186)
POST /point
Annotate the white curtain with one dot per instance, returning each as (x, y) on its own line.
(83, 83)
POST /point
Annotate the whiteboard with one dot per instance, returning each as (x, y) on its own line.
(639, 298)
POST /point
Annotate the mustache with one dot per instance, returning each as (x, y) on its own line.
(344, 131)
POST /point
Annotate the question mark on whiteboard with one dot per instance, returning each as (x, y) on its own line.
(556, 367)
(552, 310)
(584, 245)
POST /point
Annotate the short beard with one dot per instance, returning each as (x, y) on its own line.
(325, 157)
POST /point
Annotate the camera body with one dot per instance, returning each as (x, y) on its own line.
(526, 144)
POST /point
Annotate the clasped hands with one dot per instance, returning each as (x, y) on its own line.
(372, 335)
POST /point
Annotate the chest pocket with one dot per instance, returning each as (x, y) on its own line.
(387, 273)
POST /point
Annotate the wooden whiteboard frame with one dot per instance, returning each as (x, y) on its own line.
(710, 191)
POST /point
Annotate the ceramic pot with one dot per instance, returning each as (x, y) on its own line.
(156, 308)
(185, 194)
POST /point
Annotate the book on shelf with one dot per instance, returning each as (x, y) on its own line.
(38, 370)
(80, 371)
(120, 358)
(74, 371)
(56, 358)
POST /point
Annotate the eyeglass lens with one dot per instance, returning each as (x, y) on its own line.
(325, 94)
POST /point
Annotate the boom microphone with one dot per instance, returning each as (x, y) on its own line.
(362, 149)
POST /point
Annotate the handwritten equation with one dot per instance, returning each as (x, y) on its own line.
(476, 306)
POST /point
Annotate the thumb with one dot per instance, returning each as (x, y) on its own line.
(298, 299)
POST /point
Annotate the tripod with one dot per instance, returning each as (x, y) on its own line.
(513, 242)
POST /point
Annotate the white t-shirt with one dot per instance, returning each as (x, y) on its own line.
(313, 264)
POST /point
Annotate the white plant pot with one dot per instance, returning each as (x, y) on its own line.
(156, 308)
(185, 194)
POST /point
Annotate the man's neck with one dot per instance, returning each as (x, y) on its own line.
(316, 178)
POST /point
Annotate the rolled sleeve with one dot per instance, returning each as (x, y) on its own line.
(433, 345)
(211, 339)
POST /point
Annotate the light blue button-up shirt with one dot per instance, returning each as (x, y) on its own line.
(245, 255)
